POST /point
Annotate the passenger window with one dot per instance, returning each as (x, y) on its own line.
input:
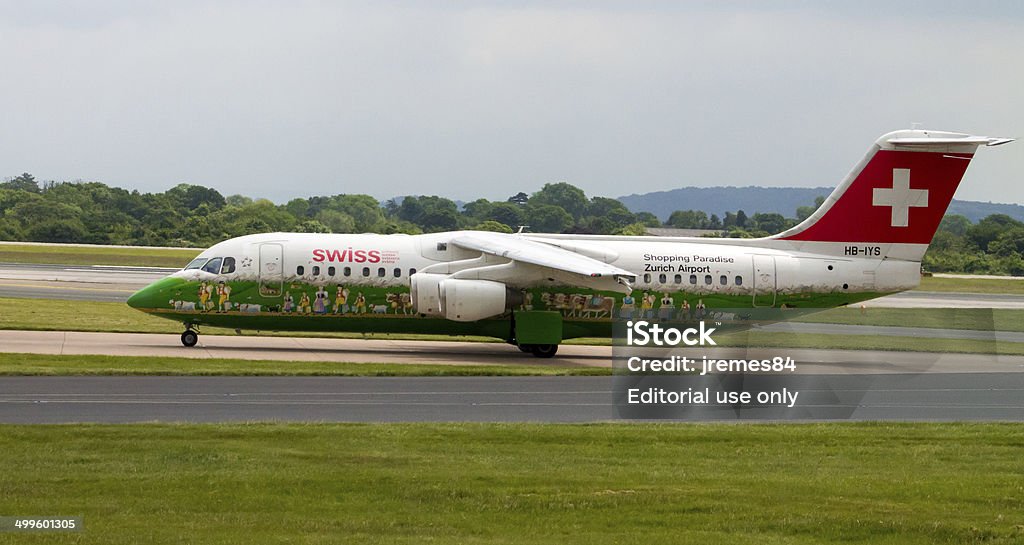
(398, 272)
(707, 279)
(723, 280)
(331, 271)
(300, 270)
(662, 278)
(381, 272)
(316, 270)
(213, 266)
(693, 279)
(739, 280)
(647, 278)
(366, 271)
(678, 279)
(348, 271)
(195, 264)
(229, 266)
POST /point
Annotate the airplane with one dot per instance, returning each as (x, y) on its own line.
(534, 290)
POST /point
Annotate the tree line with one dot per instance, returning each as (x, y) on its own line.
(195, 216)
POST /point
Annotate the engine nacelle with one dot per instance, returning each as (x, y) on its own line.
(460, 300)
(426, 293)
(472, 300)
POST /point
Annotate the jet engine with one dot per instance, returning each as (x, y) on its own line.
(461, 300)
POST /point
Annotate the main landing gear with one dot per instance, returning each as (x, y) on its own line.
(539, 350)
(190, 337)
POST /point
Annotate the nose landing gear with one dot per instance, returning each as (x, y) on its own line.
(190, 337)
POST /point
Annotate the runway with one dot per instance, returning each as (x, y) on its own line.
(76, 282)
(942, 397)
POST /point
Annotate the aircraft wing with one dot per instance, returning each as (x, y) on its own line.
(585, 270)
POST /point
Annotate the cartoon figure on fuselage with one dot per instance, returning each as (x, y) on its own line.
(866, 240)
(209, 297)
(628, 307)
(204, 295)
(340, 296)
(527, 300)
(667, 309)
(647, 306)
(320, 304)
(223, 296)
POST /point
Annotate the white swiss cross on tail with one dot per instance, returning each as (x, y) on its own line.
(900, 198)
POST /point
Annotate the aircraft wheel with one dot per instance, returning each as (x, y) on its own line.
(189, 338)
(544, 350)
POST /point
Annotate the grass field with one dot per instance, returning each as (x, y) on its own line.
(518, 484)
(46, 364)
(972, 285)
(984, 319)
(95, 255)
(868, 342)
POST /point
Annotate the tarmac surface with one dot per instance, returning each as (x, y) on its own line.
(942, 397)
(76, 282)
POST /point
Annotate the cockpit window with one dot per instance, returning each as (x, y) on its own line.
(229, 266)
(213, 266)
(195, 264)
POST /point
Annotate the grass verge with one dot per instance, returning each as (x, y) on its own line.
(13, 364)
(95, 255)
(972, 285)
(983, 319)
(763, 339)
(518, 483)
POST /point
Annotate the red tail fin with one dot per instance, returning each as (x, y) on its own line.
(897, 194)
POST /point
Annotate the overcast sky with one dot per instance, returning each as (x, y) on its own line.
(484, 99)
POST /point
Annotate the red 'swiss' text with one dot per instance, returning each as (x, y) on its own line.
(348, 254)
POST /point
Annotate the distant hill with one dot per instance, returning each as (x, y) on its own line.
(783, 200)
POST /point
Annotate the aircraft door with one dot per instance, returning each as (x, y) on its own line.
(764, 281)
(271, 270)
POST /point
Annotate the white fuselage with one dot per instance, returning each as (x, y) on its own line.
(725, 266)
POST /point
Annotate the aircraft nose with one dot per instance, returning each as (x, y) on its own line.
(153, 295)
(135, 301)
